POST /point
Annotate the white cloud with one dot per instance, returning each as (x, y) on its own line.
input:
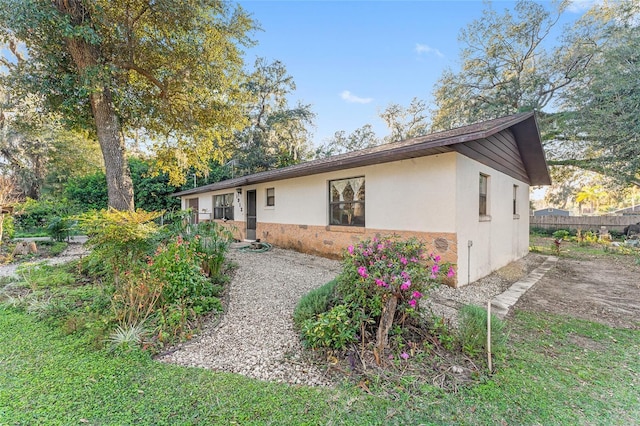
(423, 48)
(350, 97)
(579, 6)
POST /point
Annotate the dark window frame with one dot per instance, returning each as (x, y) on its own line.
(342, 212)
(483, 195)
(224, 211)
(270, 199)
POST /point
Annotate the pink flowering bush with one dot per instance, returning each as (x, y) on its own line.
(380, 287)
(376, 269)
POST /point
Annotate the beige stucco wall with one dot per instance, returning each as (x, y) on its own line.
(434, 198)
(408, 195)
(497, 239)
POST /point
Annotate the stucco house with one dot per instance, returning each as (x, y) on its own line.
(465, 192)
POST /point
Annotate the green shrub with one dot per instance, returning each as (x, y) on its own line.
(120, 238)
(33, 216)
(387, 274)
(177, 266)
(334, 329)
(313, 303)
(561, 234)
(473, 332)
(41, 275)
(8, 228)
(212, 241)
(59, 229)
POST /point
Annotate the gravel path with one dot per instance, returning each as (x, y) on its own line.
(256, 336)
(75, 250)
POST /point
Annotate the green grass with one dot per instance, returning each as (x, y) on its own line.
(557, 371)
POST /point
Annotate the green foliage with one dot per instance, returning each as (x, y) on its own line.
(506, 66)
(211, 241)
(8, 228)
(119, 238)
(473, 333)
(57, 248)
(177, 266)
(333, 329)
(35, 215)
(88, 191)
(60, 229)
(41, 275)
(561, 234)
(152, 191)
(376, 270)
(314, 303)
(164, 88)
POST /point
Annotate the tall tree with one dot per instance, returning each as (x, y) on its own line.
(406, 122)
(361, 138)
(39, 152)
(602, 119)
(505, 67)
(172, 68)
(277, 134)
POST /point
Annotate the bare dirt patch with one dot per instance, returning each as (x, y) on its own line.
(603, 288)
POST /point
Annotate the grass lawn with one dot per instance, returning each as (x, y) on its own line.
(558, 371)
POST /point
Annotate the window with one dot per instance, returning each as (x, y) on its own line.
(484, 184)
(271, 197)
(223, 206)
(515, 200)
(346, 202)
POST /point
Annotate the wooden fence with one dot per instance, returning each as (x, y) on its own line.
(593, 223)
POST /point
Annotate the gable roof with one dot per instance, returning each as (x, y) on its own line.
(509, 144)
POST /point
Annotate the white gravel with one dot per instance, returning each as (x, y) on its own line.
(256, 336)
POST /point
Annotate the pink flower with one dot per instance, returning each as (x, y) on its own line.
(451, 272)
(437, 259)
(405, 285)
(412, 303)
(362, 271)
(350, 249)
(380, 247)
(404, 355)
(416, 295)
(434, 269)
(404, 275)
(414, 260)
(403, 260)
(381, 283)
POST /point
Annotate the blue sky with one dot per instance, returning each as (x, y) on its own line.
(351, 59)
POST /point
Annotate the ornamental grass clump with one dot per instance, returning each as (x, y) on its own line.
(380, 286)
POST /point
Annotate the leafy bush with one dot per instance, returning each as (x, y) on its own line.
(120, 238)
(561, 234)
(8, 228)
(211, 241)
(60, 229)
(177, 265)
(473, 332)
(334, 329)
(34, 215)
(380, 285)
(41, 275)
(313, 303)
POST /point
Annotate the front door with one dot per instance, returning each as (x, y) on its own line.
(192, 204)
(251, 215)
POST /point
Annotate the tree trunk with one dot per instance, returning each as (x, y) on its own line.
(88, 60)
(386, 322)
